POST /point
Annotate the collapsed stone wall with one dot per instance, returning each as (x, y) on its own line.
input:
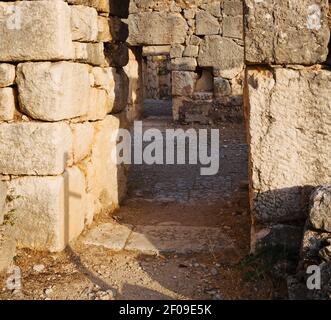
(204, 39)
(288, 112)
(67, 84)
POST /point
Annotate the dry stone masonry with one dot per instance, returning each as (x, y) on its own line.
(204, 39)
(63, 95)
(288, 111)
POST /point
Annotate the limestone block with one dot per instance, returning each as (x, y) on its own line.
(40, 30)
(121, 92)
(184, 64)
(99, 5)
(53, 91)
(206, 24)
(156, 50)
(7, 247)
(100, 104)
(155, 28)
(7, 74)
(286, 32)
(3, 195)
(191, 51)
(320, 209)
(82, 134)
(233, 8)
(49, 211)
(176, 51)
(290, 139)
(221, 53)
(233, 27)
(104, 33)
(34, 148)
(84, 23)
(101, 169)
(7, 104)
(91, 53)
(183, 83)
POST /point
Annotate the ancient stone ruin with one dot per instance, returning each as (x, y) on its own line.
(72, 73)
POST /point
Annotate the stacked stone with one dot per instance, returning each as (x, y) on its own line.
(205, 41)
(61, 78)
(287, 106)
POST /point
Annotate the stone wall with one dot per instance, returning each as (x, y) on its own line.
(205, 41)
(63, 95)
(288, 112)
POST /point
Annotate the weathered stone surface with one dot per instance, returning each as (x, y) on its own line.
(7, 247)
(100, 5)
(286, 32)
(49, 211)
(84, 23)
(154, 28)
(7, 74)
(40, 30)
(7, 104)
(176, 51)
(183, 83)
(222, 87)
(156, 50)
(184, 64)
(233, 27)
(312, 243)
(221, 53)
(82, 140)
(233, 8)
(290, 139)
(34, 148)
(206, 24)
(100, 104)
(191, 51)
(53, 91)
(112, 236)
(3, 195)
(102, 174)
(117, 54)
(91, 53)
(320, 210)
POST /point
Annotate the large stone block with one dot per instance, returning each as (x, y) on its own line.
(286, 32)
(3, 196)
(221, 53)
(102, 173)
(7, 74)
(84, 24)
(83, 134)
(206, 23)
(35, 30)
(91, 53)
(183, 83)
(34, 148)
(100, 5)
(49, 211)
(7, 104)
(288, 114)
(53, 91)
(154, 28)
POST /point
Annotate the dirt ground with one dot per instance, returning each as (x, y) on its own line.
(160, 195)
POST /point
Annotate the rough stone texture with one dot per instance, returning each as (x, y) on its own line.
(221, 53)
(3, 195)
(284, 31)
(34, 148)
(320, 211)
(183, 83)
(82, 140)
(91, 53)
(7, 104)
(53, 91)
(206, 24)
(49, 211)
(84, 23)
(154, 28)
(100, 104)
(7, 74)
(184, 64)
(7, 247)
(288, 114)
(103, 176)
(40, 30)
